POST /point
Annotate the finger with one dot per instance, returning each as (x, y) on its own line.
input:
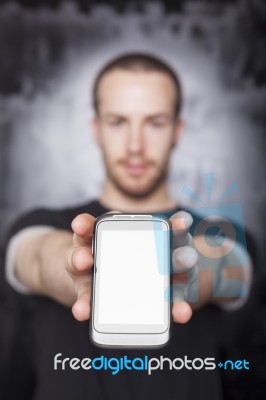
(181, 223)
(182, 312)
(81, 308)
(79, 260)
(83, 226)
(184, 258)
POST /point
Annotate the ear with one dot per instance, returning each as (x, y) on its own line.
(95, 128)
(178, 131)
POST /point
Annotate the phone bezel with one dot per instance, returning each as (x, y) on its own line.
(133, 335)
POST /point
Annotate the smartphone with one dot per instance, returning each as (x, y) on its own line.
(131, 299)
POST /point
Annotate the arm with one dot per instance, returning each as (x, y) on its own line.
(54, 263)
(40, 265)
(221, 274)
(58, 265)
(234, 276)
(223, 278)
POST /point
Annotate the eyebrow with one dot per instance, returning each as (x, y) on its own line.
(159, 115)
(156, 115)
(114, 115)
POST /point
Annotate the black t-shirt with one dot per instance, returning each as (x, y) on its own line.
(48, 328)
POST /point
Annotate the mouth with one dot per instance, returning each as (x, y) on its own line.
(135, 169)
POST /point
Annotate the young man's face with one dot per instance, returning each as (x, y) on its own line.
(136, 128)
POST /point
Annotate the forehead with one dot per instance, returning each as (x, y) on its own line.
(127, 92)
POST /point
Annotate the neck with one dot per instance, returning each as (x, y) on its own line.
(115, 199)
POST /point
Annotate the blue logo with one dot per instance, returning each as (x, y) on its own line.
(234, 365)
(219, 237)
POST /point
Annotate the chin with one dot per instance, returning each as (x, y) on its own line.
(137, 189)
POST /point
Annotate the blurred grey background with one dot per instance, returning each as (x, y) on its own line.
(49, 57)
(50, 52)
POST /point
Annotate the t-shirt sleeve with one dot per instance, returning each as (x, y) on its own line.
(34, 223)
(247, 251)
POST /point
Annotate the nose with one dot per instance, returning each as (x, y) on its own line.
(135, 139)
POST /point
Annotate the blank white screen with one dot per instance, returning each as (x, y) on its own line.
(131, 288)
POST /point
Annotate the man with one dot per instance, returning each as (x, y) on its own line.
(137, 101)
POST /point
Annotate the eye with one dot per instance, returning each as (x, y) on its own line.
(157, 123)
(116, 122)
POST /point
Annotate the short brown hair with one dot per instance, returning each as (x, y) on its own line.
(138, 62)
